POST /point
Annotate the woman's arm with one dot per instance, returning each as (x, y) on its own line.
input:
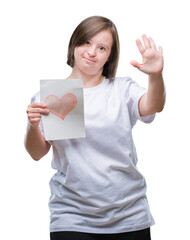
(35, 143)
(153, 101)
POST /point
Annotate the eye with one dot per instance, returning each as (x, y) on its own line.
(87, 42)
(102, 48)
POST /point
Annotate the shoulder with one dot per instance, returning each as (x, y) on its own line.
(121, 84)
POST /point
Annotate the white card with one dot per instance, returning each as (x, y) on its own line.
(64, 98)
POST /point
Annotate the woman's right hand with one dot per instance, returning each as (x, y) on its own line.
(34, 112)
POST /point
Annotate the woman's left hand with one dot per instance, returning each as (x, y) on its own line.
(152, 63)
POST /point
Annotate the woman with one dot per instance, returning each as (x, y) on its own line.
(98, 192)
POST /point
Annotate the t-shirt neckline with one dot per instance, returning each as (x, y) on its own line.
(95, 88)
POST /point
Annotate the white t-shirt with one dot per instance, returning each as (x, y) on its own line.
(97, 187)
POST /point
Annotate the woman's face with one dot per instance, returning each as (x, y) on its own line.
(90, 57)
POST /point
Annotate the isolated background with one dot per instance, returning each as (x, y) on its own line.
(33, 46)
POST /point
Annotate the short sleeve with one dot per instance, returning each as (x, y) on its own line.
(132, 93)
(36, 98)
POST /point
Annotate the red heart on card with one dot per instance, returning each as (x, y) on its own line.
(61, 106)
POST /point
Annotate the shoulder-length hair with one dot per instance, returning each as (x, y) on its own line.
(85, 31)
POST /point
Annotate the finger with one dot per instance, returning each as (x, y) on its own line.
(38, 110)
(136, 64)
(140, 46)
(34, 120)
(34, 115)
(38, 105)
(146, 41)
(160, 49)
(152, 43)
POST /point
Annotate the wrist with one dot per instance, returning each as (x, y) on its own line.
(33, 126)
(155, 76)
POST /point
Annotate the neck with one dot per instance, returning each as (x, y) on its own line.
(88, 80)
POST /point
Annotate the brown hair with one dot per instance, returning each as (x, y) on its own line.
(85, 31)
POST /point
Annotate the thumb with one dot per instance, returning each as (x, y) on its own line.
(135, 64)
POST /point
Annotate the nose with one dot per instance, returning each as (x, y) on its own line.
(92, 51)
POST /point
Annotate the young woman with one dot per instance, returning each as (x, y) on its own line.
(98, 192)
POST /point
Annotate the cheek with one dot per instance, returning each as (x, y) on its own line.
(75, 53)
(105, 59)
(78, 51)
(107, 56)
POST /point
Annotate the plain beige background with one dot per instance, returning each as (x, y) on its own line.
(33, 46)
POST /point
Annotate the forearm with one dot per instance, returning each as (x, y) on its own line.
(153, 101)
(156, 93)
(35, 143)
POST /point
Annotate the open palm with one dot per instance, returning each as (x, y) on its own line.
(152, 58)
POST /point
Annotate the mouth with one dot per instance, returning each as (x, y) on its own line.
(89, 60)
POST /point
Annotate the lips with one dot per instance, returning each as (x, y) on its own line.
(89, 60)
